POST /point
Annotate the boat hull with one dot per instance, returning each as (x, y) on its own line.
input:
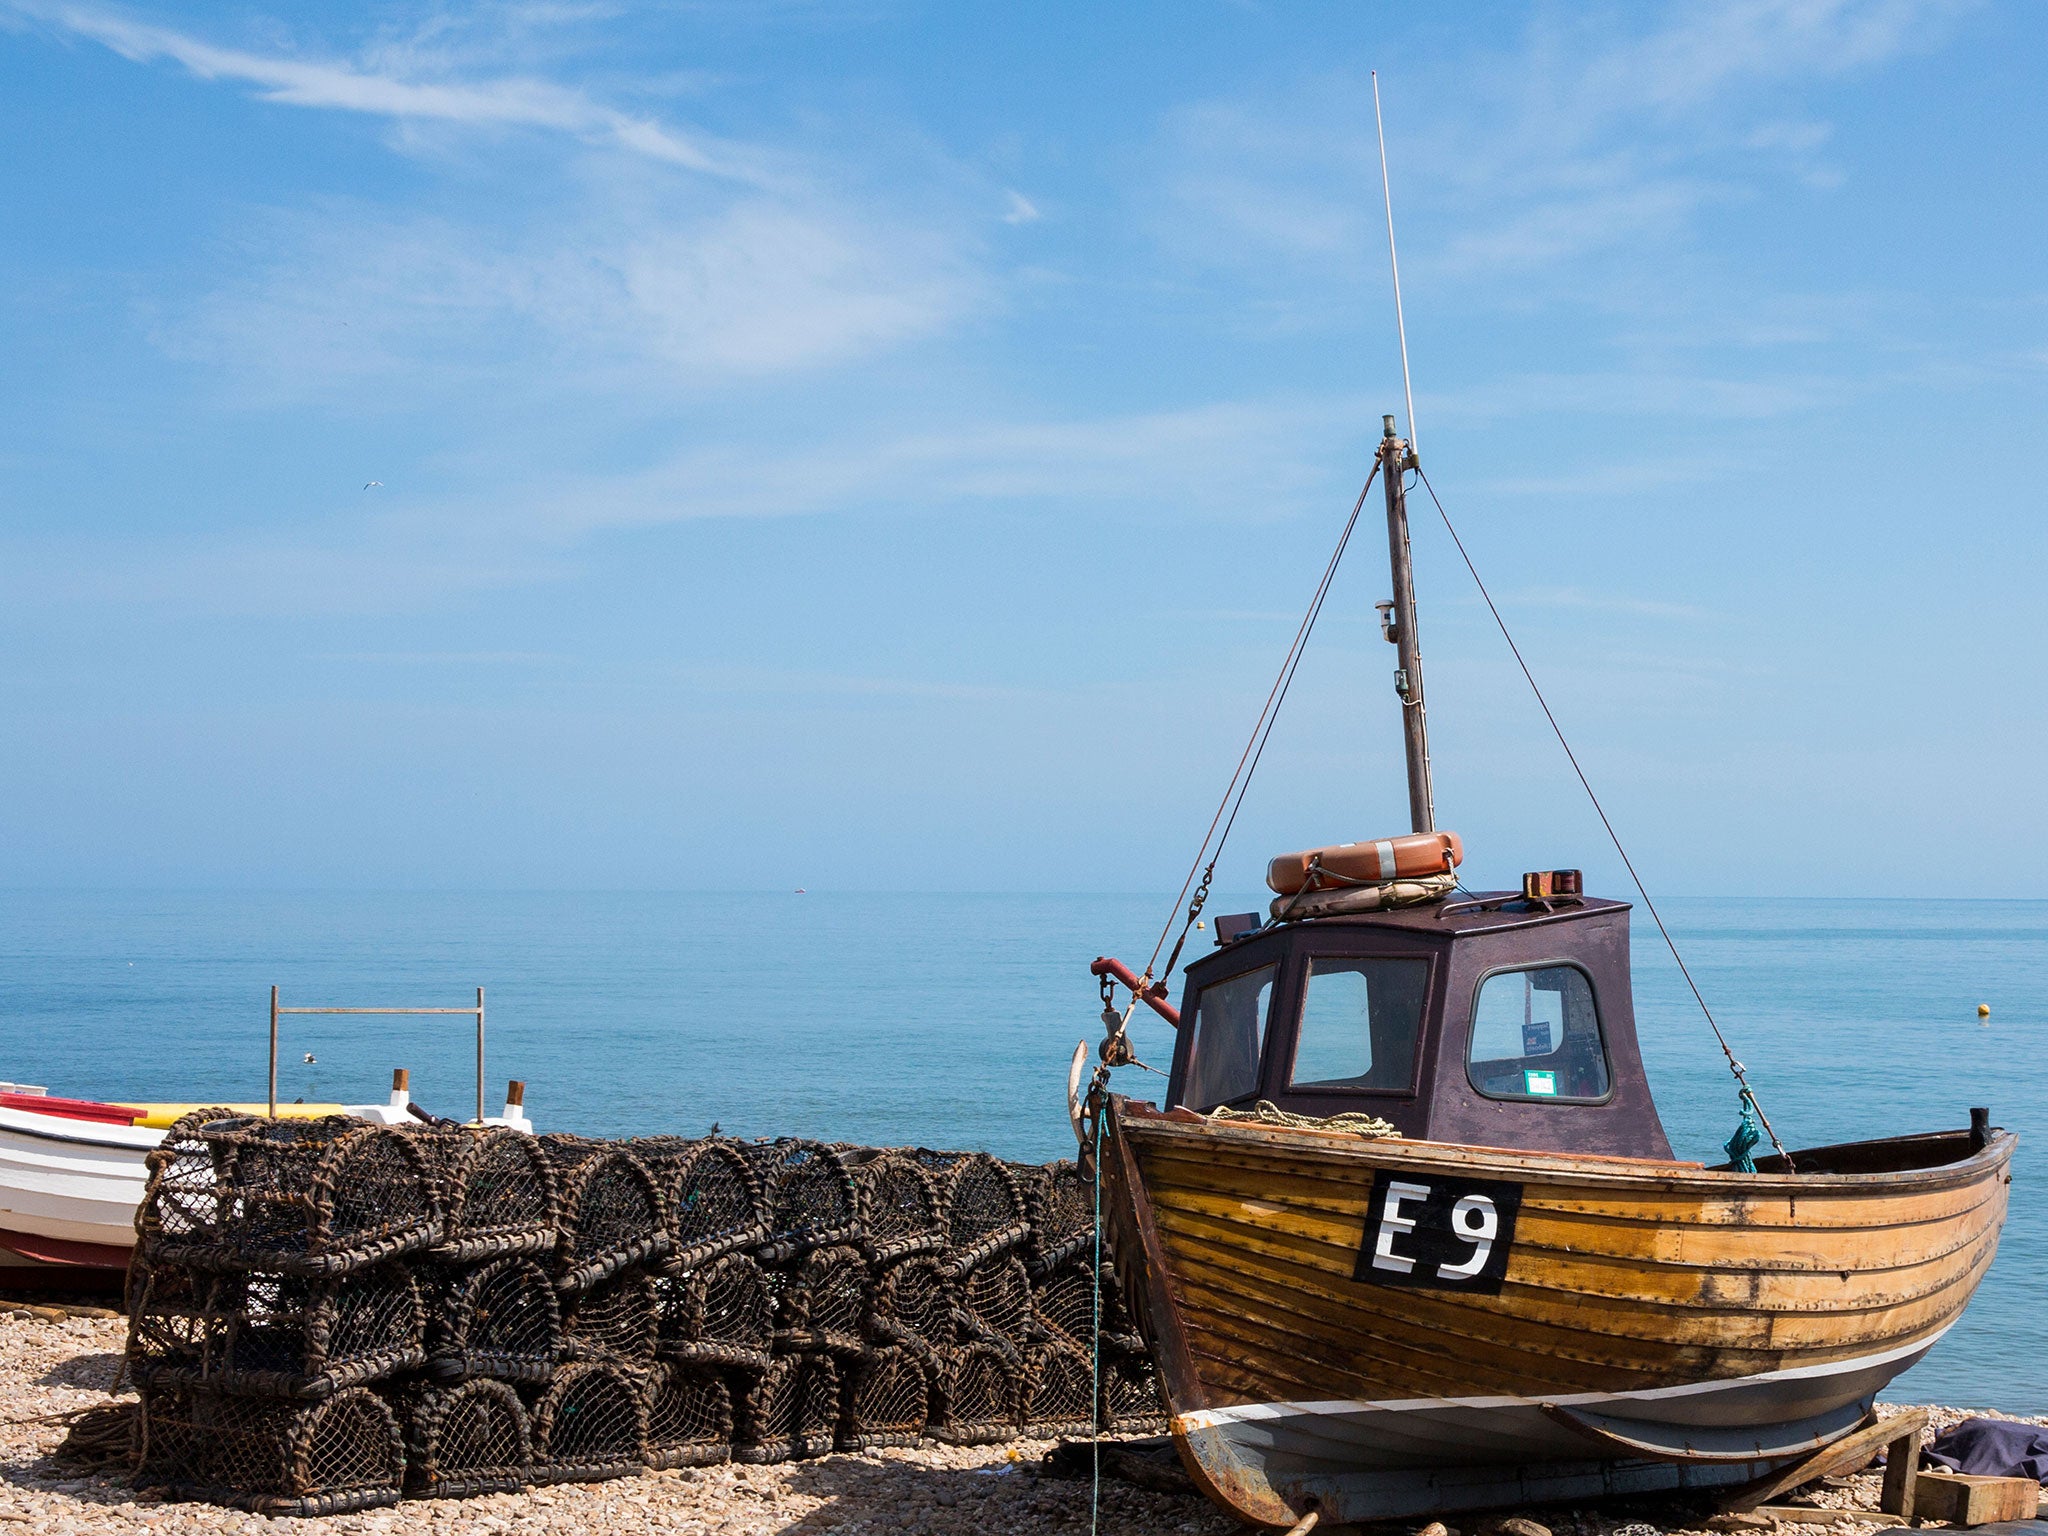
(69, 1189)
(1631, 1324)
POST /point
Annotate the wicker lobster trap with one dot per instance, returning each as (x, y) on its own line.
(612, 1210)
(810, 1197)
(788, 1411)
(273, 1457)
(994, 1303)
(885, 1398)
(984, 1208)
(501, 1320)
(273, 1335)
(914, 1305)
(616, 1319)
(715, 1200)
(722, 1313)
(499, 1195)
(591, 1424)
(302, 1197)
(826, 1303)
(901, 1210)
(689, 1416)
(1060, 1390)
(464, 1440)
(980, 1395)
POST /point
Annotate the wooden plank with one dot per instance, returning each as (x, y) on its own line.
(1901, 1475)
(1848, 1454)
(1807, 1514)
(1961, 1499)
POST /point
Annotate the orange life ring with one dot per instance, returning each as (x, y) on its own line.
(1390, 858)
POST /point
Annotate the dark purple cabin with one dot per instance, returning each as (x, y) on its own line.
(1493, 1021)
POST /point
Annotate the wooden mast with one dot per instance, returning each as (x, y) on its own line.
(1397, 621)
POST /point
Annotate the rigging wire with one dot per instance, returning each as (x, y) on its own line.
(1734, 1065)
(1248, 760)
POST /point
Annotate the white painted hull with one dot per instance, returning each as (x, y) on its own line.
(66, 1182)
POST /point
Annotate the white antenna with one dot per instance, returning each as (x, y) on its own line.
(1394, 261)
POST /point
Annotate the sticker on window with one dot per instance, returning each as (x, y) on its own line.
(1444, 1234)
(1540, 1083)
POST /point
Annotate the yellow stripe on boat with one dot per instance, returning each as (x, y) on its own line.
(161, 1116)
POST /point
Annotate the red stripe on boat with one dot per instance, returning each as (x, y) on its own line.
(71, 1109)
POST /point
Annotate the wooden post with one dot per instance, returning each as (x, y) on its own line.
(515, 1094)
(1394, 457)
(273, 1052)
(1902, 1472)
(479, 1055)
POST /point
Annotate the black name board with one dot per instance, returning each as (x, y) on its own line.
(1445, 1234)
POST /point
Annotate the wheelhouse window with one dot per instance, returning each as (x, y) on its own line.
(1359, 1023)
(1230, 1037)
(1536, 1035)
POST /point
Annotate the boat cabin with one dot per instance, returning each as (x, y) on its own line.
(1497, 1021)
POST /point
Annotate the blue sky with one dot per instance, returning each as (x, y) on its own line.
(885, 446)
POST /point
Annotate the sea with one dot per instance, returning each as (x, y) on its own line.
(948, 1021)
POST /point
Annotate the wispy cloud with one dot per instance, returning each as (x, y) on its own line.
(1598, 132)
(337, 85)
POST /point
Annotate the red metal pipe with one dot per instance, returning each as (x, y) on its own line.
(1153, 997)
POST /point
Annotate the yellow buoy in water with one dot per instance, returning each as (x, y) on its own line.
(1983, 1010)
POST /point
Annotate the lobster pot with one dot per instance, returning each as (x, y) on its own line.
(273, 1457)
(1059, 1390)
(914, 1305)
(1131, 1403)
(614, 1320)
(498, 1193)
(273, 1335)
(995, 1303)
(810, 1196)
(301, 1197)
(1060, 1204)
(984, 1207)
(612, 1212)
(181, 1204)
(501, 1320)
(979, 1397)
(788, 1411)
(1071, 1299)
(900, 1209)
(715, 1203)
(885, 1399)
(589, 1425)
(720, 1314)
(465, 1440)
(826, 1302)
(689, 1416)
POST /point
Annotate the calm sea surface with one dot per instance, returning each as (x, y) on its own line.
(948, 1021)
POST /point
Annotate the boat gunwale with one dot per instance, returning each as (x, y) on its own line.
(1143, 1123)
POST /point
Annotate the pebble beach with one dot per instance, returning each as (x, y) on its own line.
(56, 1364)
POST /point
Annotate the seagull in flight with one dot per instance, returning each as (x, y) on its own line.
(379, 484)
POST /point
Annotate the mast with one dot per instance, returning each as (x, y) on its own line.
(1397, 622)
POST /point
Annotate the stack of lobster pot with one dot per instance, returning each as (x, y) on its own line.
(329, 1315)
(268, 1297)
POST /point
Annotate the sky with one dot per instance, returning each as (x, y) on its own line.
(889, 446)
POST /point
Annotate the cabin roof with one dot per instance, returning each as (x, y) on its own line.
(1478, 912)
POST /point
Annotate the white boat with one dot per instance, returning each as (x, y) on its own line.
(73, 1172)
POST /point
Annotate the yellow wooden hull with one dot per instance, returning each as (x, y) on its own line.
(1646, 1312)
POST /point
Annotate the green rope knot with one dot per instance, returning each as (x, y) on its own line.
(1746, 1136)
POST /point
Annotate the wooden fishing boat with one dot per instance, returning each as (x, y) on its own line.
(1408, 1237)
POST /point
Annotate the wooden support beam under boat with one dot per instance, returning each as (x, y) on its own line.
(1850, 1454)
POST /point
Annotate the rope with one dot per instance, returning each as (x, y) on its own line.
(1254, 749)
(1734, 1066)
(1266, 1112)
(1095, 1347)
